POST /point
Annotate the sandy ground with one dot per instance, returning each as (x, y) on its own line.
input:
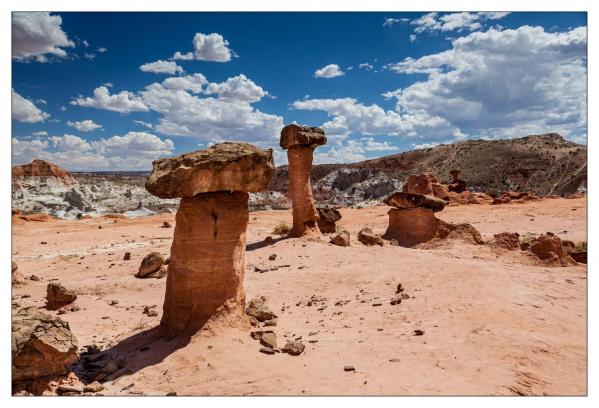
(494, 322)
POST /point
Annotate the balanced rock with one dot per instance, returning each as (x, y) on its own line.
(404, 200)
(222, 167)
(418, 184)
(205, 274)
(150, 264)
(369, 238)
(58, 296)
(327, 217)
(300, 142)
(42, 345)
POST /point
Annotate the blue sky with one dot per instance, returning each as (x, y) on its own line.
(113, 91)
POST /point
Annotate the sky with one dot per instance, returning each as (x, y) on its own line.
(114, 91)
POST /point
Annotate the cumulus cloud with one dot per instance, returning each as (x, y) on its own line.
(432, 22)
(86, 125)
(133, 151)
(23, 110)
(40, 133)
(162, 67)
(123, 102)
(350, 116)
(207, 47)
(37, 35)
(238, 88)
(503, 83)
(330, 71)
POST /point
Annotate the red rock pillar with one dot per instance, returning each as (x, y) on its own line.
(305, 215)
(205, 274)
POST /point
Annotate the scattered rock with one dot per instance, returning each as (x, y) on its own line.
(272, 257)
(294, 348)
(267, 350)
(94, 386)
(34, 278)
(269, 339)
(418, 332)
(150, 264)
(341, 237)
(271, 322)
(127, 256)
(58, 296)
(69, 389)
(395, 301)
(349, 368)
(166, 224)
(369, 238)
(258, 309)
(548, 247)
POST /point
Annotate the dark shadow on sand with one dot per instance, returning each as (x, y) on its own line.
(264, 243)
(132, 354)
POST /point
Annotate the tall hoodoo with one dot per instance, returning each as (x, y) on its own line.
(205, 273)
(300, 142)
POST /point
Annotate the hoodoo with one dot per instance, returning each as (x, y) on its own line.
(300, 142)
(205, 273)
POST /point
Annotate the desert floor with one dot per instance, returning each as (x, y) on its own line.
(495, 322)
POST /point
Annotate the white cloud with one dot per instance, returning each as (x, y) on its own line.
(366, 66)
(86, 125)
(63, 108)
(89, 55)
(193, 83)
(40, 133)
(371, 145)
(424, 145)
(432, 22)
(144, 124)
(133, 151)
(162, 67)
(503, 83)
(330, 71)
(84, 42)
(35, 35)
(102, 50)
(238, 88)
(123, 102)
(350, 116)
(23, 110)
(207, 47)
(392, 21)
(412, 37)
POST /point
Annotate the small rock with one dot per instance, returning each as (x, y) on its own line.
(99, 227)
(127, 256)
(34, 278)
(93, 387)
(369, 238)
(113, 302)
(166, 224)
(258, 309)
(65, 388)
(341, 237)
(418, 332)
(395, 301)
(171, 394)
(399, 288)
(58, 296)
(267, 350)
(150, 264)
(349, 368)
(269, 339)
(294, 348)
(395, 360)
(271, 322)
(272, 257)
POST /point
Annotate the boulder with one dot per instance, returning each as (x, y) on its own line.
(440, 191)
(369, 238)
(150, 264)
(294, 348)
(341, 237)
(327, 217)
(411, 226)
(42, 345)
(222, 167)
(548, 247)
(461, 232)
(404, 200)
(58, 296)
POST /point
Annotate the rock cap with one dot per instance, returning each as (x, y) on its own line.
(410, 200)
(296, 135)
(221, 167)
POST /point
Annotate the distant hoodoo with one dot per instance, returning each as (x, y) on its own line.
(206, 268)
(300, 142)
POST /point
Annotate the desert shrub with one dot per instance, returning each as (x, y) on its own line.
(281, 229)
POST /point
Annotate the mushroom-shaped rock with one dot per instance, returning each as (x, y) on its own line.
(205, 272)
(222, 167)
(300, 142)
(409, 200)
(327, 217)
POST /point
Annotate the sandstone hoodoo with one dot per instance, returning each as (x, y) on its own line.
(205, 272)
(300, 142)
(412, 221)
